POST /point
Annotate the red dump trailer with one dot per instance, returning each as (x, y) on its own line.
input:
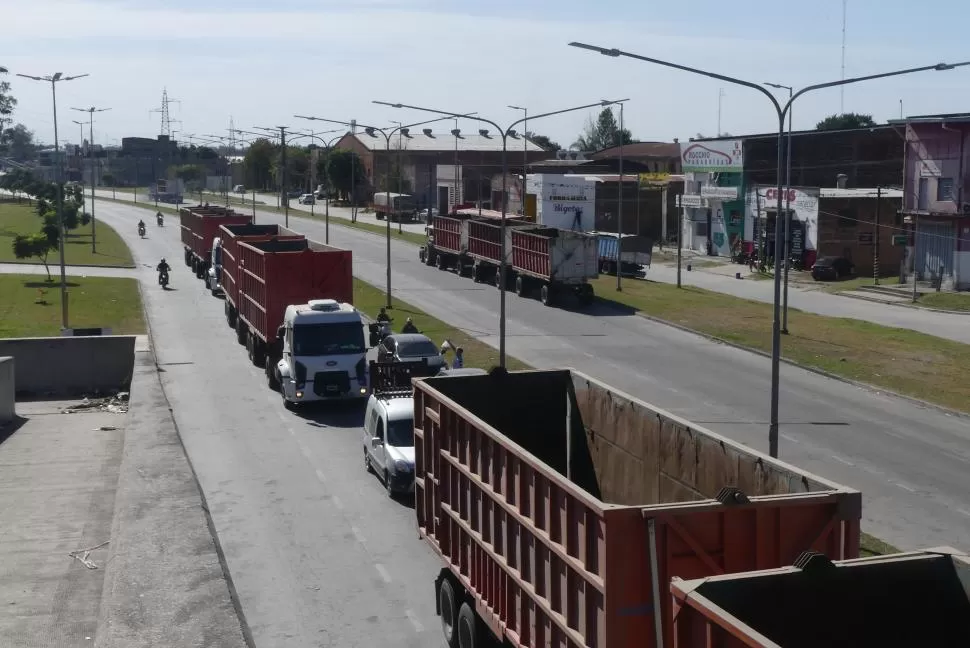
(199, 226)
(911, 599)
(556, 260)
(275, 274)
(225, 252)
(485, 245)
(562, 508)
(447, 240)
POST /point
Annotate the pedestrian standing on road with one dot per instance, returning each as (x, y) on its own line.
(459, 361)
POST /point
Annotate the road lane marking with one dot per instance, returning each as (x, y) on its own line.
(357, 534)
(841, 460)
(305, 451)
(383, 572)
(337, 502)
(963, 512)
(790, 438)
(413, 618)
(282, 416)
(905, 487)
(320, 475)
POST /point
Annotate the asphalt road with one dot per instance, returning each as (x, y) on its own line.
(321, 556)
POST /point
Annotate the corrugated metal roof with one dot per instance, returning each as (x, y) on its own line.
(444, 141)
(834, 192)
(640, 149)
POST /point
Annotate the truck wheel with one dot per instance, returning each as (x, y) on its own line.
(367, 467)
(585, 295)
(497, 278)
(287, 405)
(448, 606)
(547, 295)
(194, 265)
(259, 353)
(520, 286)
(241, 332)
(272, 379)
(387, 485)
(469, 628)
(441, 262)
(188, 257)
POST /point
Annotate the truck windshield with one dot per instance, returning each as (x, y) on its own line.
(342, 338)
(400, 433)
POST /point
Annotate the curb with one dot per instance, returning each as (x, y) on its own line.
(903, 305)
(815, 370)
(68, 266)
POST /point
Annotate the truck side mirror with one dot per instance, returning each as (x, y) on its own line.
(281, 333)
(375, 443)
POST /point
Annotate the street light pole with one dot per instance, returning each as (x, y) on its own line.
(59, 179)
(525, 150)
(371, 130)
(784, 317)
(284, 198)
(781, 113)
(505, 133)
(619, 210)
(91, 112)
(326, 174)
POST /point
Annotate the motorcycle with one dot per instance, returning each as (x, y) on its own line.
(141, 231)
(159, 218)
(163, 278)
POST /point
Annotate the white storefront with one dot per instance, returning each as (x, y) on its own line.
(706, 225)
(564, 202)
(801, 201)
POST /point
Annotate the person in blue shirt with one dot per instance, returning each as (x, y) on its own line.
(459, 361)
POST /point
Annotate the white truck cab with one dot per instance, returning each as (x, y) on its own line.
(323, 353)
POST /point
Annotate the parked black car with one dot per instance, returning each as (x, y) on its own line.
(832, 268)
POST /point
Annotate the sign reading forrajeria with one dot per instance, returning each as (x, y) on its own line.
(564, 202)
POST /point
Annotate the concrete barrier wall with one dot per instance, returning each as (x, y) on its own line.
(70, 365)
(6, 389)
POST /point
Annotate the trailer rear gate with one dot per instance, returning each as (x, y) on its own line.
(567, 509)
(555, 255)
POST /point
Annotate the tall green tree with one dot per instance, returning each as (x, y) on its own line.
(603, 133)
(343, 165)
(543, 141)
(259, 161)
(7, 101)
(845, 121)
(30, 246)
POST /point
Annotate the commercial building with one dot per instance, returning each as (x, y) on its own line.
(936, 206)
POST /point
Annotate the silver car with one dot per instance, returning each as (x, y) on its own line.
(410, 347)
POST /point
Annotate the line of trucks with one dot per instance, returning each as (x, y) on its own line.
(547, 261)
(569, 514)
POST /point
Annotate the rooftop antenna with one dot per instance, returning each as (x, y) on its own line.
(842, 88)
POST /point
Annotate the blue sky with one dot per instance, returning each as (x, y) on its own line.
(262, 62)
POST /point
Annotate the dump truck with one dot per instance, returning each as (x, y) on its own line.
(224, 268)
(919, 598)
(199, 226)
(447, 241)
(485, 246)
(632, 259)
(395, 206)
(557, 261)
(561, 508)
(277, 284)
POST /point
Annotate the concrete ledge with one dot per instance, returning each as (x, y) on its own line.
(7, 390)
(70, 365)
(165, 583)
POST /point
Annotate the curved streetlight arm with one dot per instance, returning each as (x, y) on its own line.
(606, 51)
(602, 103)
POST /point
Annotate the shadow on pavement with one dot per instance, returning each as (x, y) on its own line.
(8, 429)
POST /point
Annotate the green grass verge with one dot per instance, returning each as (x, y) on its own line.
(873, 546)
(31, 306)
(955, 301)
(369, 300)
(904, 361)
(20, 218)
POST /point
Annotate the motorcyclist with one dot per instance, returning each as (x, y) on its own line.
(141, 225)
(159, 217)
(409, 327)
(383, 316)
(163, 267)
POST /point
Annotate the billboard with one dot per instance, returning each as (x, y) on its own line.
(721, 156)
(563, 202)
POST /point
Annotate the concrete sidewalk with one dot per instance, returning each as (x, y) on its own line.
(58, 475)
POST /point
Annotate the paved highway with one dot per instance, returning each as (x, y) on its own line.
(912, 463)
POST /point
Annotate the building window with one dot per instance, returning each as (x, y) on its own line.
(944, 189)
(848, 218)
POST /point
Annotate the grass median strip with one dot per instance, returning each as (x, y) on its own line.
(31, 306)
(20, 218)
(369, 300)
(918, 365)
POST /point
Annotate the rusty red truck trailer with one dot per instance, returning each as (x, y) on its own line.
(562, 508)
(225, 255)
(199, 226)
(557, 261)
(485, 245)
(919, 598)
(275, 274)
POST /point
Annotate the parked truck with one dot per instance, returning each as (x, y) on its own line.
(395, 206)
(633, 259)
(911, 599)
(557, 261)
(224, 267)
(295, 296)
(562, 508)
(199, 226)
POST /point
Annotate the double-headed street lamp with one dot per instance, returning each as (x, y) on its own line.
(505, 133)
(90, 123)
(327, 146)
(284, 196)
(53, 79)
(781, 111)
(784, 308)
(387, 133)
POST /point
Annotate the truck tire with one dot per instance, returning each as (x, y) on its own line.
(547, 294)
(287, 405)
(367, 467)
(441, 262)
(448, 610)
(272, 379)
(241, 331)
(387, 485)
(193, 263)
(259, 353)
(469, 628)
(497, 279)
(188, 257)
(585, 294)
(520, 286)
